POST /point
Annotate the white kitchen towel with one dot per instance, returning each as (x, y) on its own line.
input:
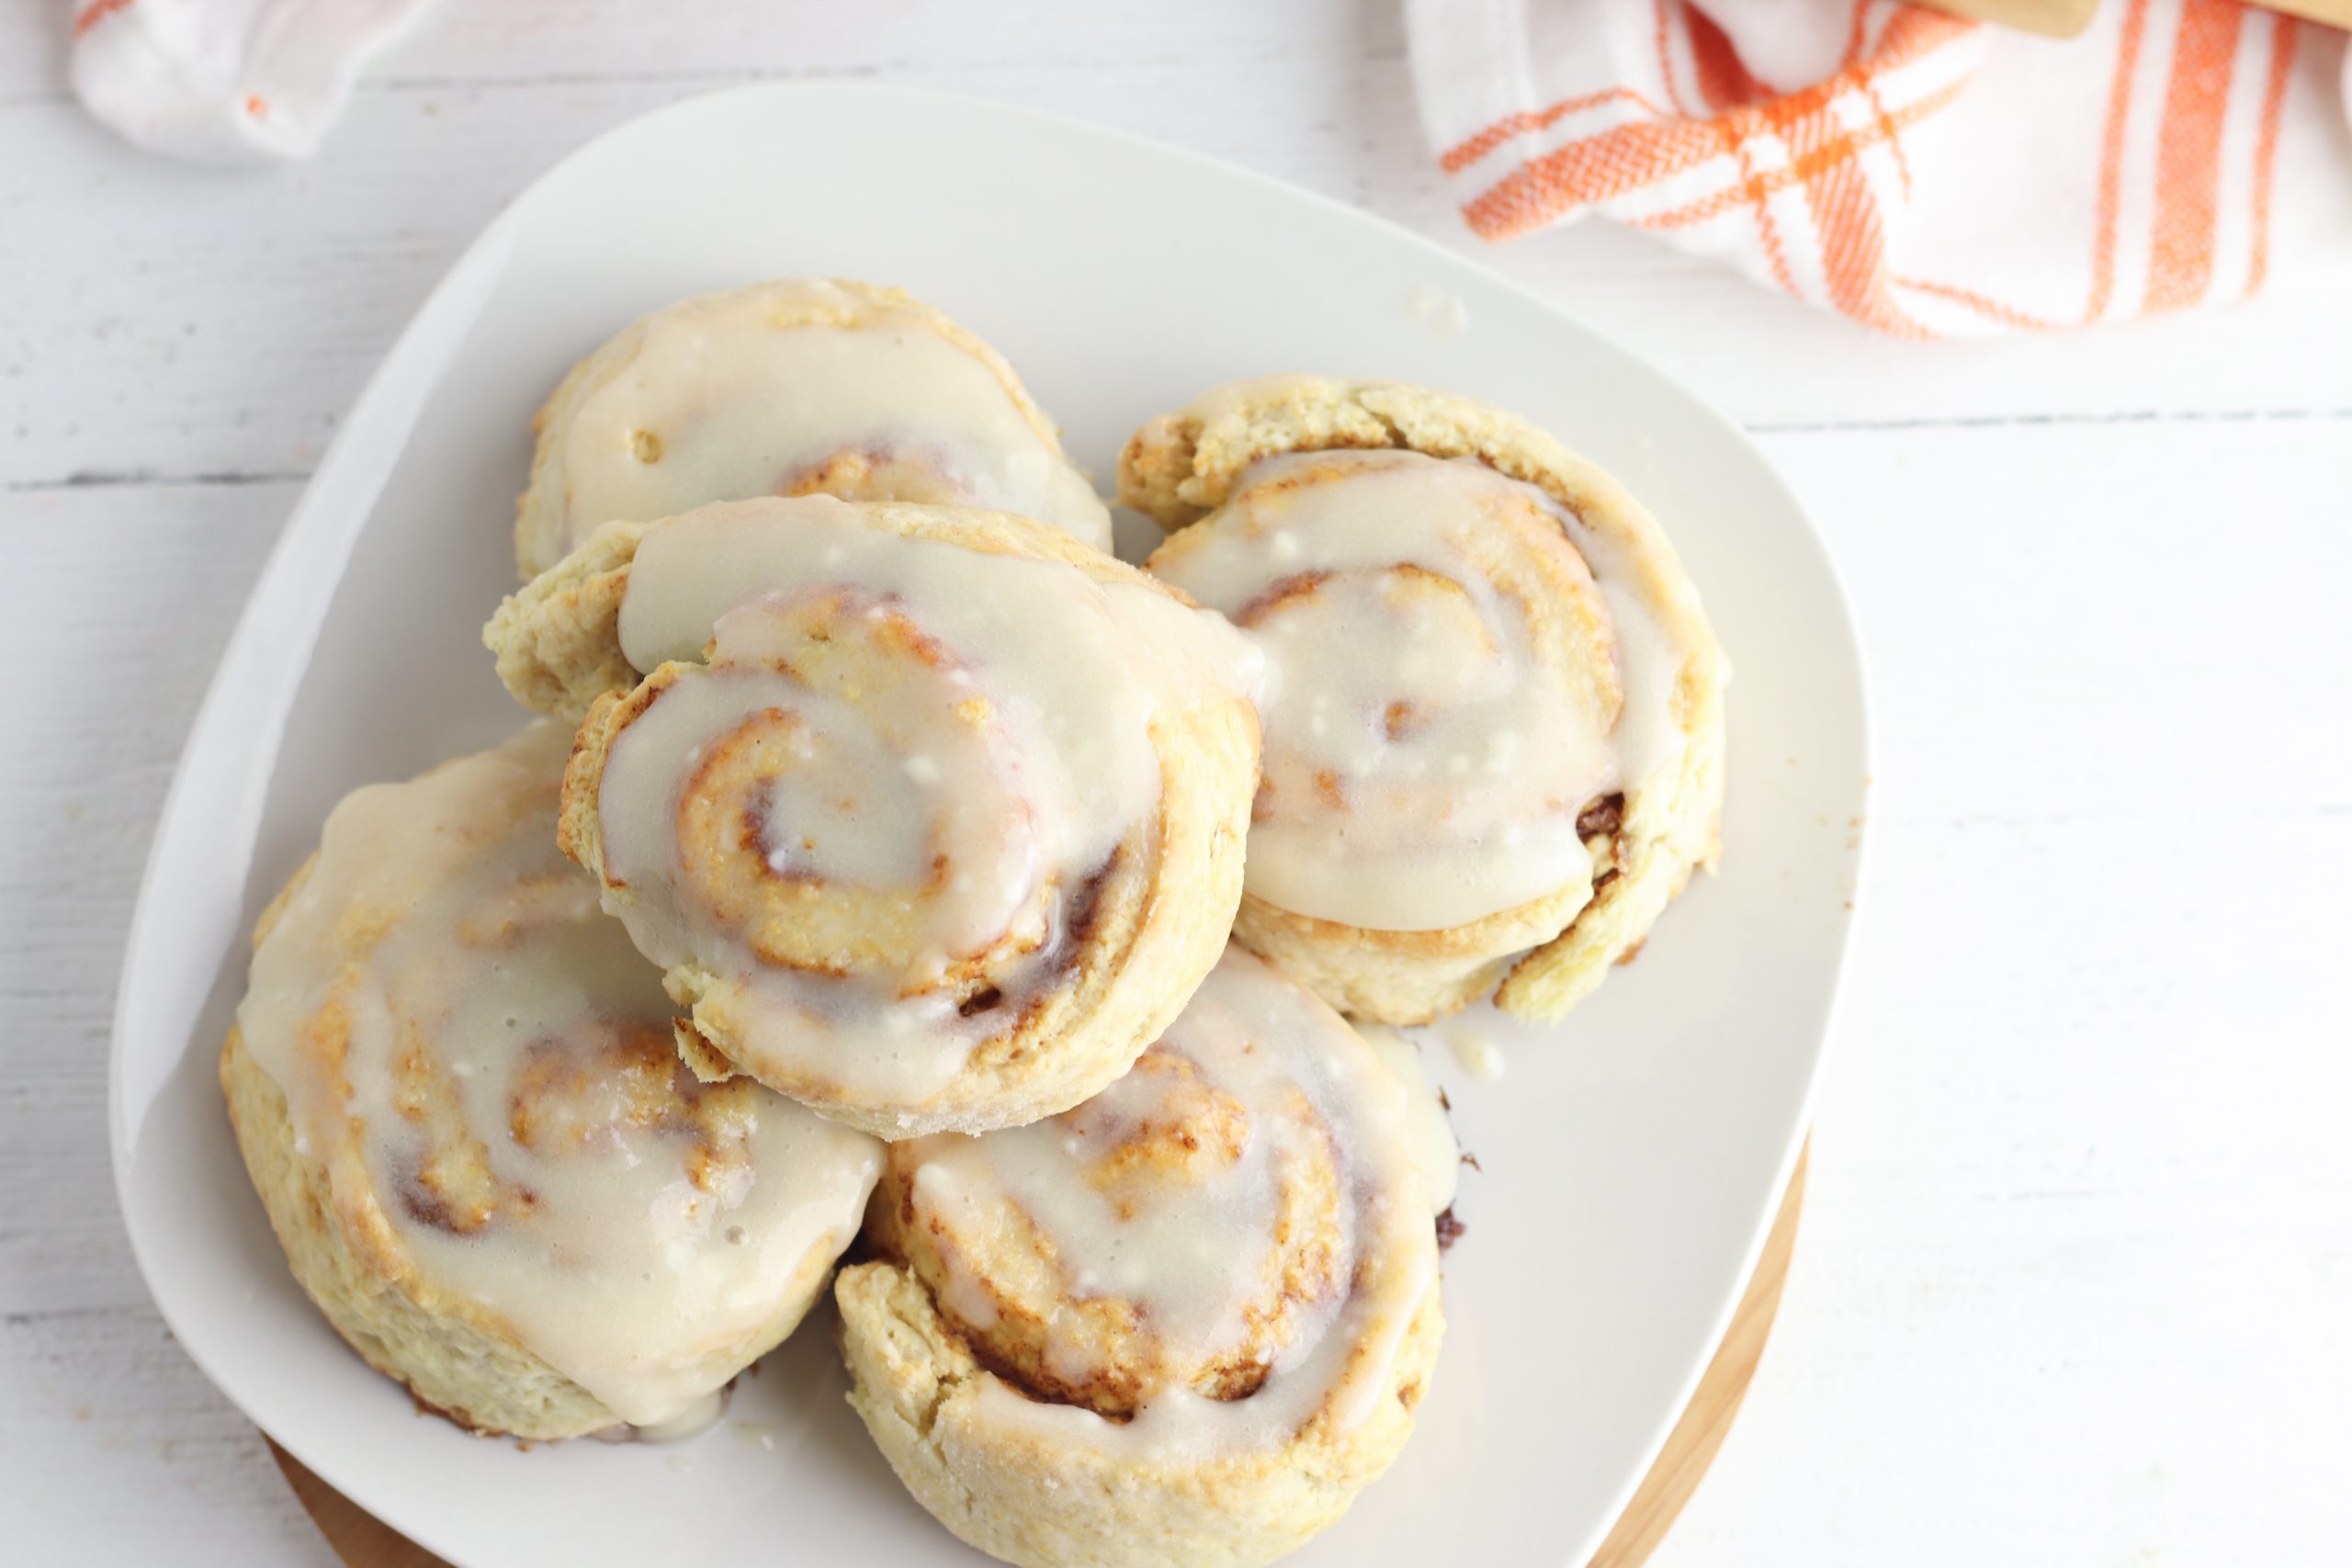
(227, 80)
(1924, 176)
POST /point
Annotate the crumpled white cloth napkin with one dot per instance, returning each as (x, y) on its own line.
(227, 80)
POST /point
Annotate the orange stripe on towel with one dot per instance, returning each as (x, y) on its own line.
(1623, 158)
(1725, 82)
(2285, 34)
(1912, 32)
(1665, 13)
(1846, 145)
(2110, 161)
(1992, 310)
(1468, 152)
(2188, 153)
(1853, 243)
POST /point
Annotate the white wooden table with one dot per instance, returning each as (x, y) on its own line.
(2075, 1274)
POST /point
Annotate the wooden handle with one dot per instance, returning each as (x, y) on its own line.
(2052, 19)
(2334, 13)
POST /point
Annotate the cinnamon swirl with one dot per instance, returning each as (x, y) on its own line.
(1184, 1323)
(795, 388)
(1494, 747)
(455, 1087)
(934, 817)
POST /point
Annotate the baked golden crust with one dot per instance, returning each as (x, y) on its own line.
(1384, 976)
(543, 533)
(1159, 920)
(1013, 1492)
(1099, 1350)
(457, 1359)
(373, 1191)
(1155, 915)
(557, 638)
(1540, 957)
(1183, 1323)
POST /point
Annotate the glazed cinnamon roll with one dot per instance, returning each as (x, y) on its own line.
(455, 1087)
(1184, 1323)
(934, 818)
(795, 388)
(1494, 743)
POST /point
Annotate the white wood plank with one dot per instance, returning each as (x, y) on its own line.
(543, 40)
(119, 600)
(111, 1442)
(118, 1450)
(2077, 1248)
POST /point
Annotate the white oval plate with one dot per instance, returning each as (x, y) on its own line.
(1629, 1160)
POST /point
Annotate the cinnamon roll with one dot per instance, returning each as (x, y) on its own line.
(1493, 745)
(1184, 1323)
(934, 818)
(795, 388)
(455, 1087)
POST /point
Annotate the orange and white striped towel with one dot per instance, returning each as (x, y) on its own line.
(1924, 176)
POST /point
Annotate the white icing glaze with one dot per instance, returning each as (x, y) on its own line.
(719, 402)
(506, 1093)
(1647, 735)
(1430, 737)
(1444, 312)
(1192, 1249)
(941, 748)
(1477, 1053)
(758, 1434)
(691, 1421)
(1427, 1123)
